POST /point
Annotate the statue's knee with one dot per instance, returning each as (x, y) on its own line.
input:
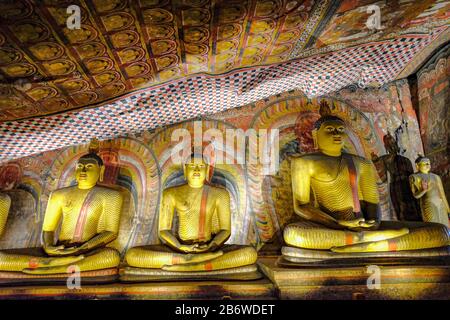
(250, 254)
(288, 234)
(111, 256)
(131, 256)
(442, 229)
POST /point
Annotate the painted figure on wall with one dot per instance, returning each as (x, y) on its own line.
(428, 188)
(204, 225)
(342, 213)
(88, 216)
(399, 169)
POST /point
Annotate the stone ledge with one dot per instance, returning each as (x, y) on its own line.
(331, 282)
(258, 289)
(245, 273)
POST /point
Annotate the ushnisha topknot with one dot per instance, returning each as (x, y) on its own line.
(94, 148)
(325, 115)
(196, 155)
(92, 156)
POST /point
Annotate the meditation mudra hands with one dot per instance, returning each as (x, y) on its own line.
(199, 248)
(358, 224)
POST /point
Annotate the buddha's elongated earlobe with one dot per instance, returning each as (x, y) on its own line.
(102, 173)
(314, 136)
(184, 171)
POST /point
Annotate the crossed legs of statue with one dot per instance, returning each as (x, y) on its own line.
(40, 263)
(162, 257)
(390, 236)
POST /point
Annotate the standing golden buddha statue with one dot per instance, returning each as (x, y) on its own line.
(427, 187)
(197, 247)
(88, 216)
(335, 194)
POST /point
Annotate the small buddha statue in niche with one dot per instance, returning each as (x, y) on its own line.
(427, 187)
(89, 215)
(204, 225)
(399, 168)
(336, 195)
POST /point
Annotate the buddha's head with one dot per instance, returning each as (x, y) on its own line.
(423, 164)
(329, 132)
(89, 171)
(196, 171)
(329, 135)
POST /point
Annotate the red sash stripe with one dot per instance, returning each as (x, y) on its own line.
(208, 266)
(33, 263)
(392, 245)
(353, 175)
(175, 259)
(82, 218)
(202, 217)
(348, 238)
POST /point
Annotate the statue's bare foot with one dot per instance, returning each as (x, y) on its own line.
(201, 257)
(379, 246)
(48, 270)
(378, 235)
(194, 265)
(53, 265)
(59, 261)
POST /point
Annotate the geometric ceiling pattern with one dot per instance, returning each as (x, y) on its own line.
(136, 65)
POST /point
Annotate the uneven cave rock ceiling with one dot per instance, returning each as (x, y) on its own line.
(139, 64)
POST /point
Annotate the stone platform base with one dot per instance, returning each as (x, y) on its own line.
(351, 282)
(130, 274)
(9, 279)
(258, 289)
(306, 257)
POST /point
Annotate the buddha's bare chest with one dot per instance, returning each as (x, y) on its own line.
(76, 202)
(327, 169)
(190, 205)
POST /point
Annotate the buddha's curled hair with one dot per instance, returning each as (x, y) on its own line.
(94, 148)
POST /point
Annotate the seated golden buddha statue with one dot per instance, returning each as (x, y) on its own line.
(335, 195)
(204, 225)
(428, 188)
(88, 216)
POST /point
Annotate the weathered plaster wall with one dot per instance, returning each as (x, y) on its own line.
(433, 101)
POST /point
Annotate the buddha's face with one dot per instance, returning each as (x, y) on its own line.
(330, 136)
(424, 166)
(195, 172)
(87, 173)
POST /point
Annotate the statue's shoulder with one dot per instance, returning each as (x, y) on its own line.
(103, 190)
(171, 190)
(4, 196)
(435, 176)
(312, 156)
(218, 189)
(63, 191)
(358, 159)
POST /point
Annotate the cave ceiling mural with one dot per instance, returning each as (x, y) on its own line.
(140, 64)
